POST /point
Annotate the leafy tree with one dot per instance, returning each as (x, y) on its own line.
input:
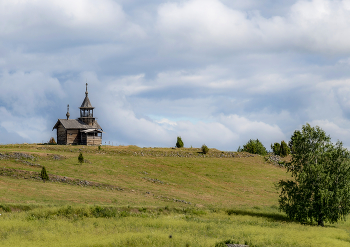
(254, 147)
(179, 142)
(205, 149)
(43, 174)
(81, 158)
(320, 189)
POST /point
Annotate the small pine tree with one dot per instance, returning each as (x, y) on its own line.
(179, 142)
(205, 149)
(43, 174)
(81, 158)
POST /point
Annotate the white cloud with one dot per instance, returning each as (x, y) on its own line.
(31, 129)
(27, 93)
(205, 25)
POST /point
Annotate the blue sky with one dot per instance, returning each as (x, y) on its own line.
(210, 71)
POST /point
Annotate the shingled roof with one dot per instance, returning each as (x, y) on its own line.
(86, 103)
(75, 124)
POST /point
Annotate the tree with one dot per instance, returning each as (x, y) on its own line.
(80, 158)
(52, 141)
(179, 142)
(280, 149)
(205, 149)
(43, 174)
(276, 148)
(320, 189)
(284, 150)
(254, 147)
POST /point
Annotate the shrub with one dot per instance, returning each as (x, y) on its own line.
(99, 147)
(81, 158)
(254, 147)
(280, 149)
(284, 149)
(43, 174)
(52, 141)
(179, 142)
(276, 148)
(205, 149)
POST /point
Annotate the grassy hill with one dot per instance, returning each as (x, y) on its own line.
(131, 196)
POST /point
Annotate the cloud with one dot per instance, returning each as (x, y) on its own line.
(51, 25)
(317, 26)
(26, 129)
(214, 72)
(28, 93)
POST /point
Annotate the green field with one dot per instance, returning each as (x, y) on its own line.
(130, 196)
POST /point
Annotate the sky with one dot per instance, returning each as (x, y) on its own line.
(215, 72)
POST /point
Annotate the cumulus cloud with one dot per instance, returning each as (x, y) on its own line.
(217, 72)
(22, 129)
(205, 25)
(28, 93)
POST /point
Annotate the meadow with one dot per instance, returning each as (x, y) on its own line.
(131, 196)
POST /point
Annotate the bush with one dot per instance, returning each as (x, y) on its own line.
(284, 149)
(52, 141)
(179, 142)
(276, 148)
(254, 147)
(280, 149)
(43, 174)
(205, 149)
(80, 158)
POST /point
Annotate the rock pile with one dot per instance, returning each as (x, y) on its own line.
(16, 156)
(236, 245)
(54, 178)
(275, 160)
(194, 155)
(154, 180)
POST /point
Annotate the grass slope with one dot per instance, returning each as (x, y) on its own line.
(197, 200)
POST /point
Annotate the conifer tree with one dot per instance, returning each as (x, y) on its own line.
(81, 158)
(179, 142)
(43, 174)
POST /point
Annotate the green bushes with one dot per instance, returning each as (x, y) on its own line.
(280, 149)
(205, 149)
(179, 143)
(253, 147)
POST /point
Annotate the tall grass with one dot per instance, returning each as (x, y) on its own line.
(84, 226)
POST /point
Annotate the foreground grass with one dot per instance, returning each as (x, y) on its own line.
(91, 226)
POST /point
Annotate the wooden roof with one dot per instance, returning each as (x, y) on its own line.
(86, 103)
(75, 124)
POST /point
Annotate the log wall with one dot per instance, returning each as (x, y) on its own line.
(61, 135)
(73, 136)
(94, 140)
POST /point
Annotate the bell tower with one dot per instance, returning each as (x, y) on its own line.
(86, 110)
